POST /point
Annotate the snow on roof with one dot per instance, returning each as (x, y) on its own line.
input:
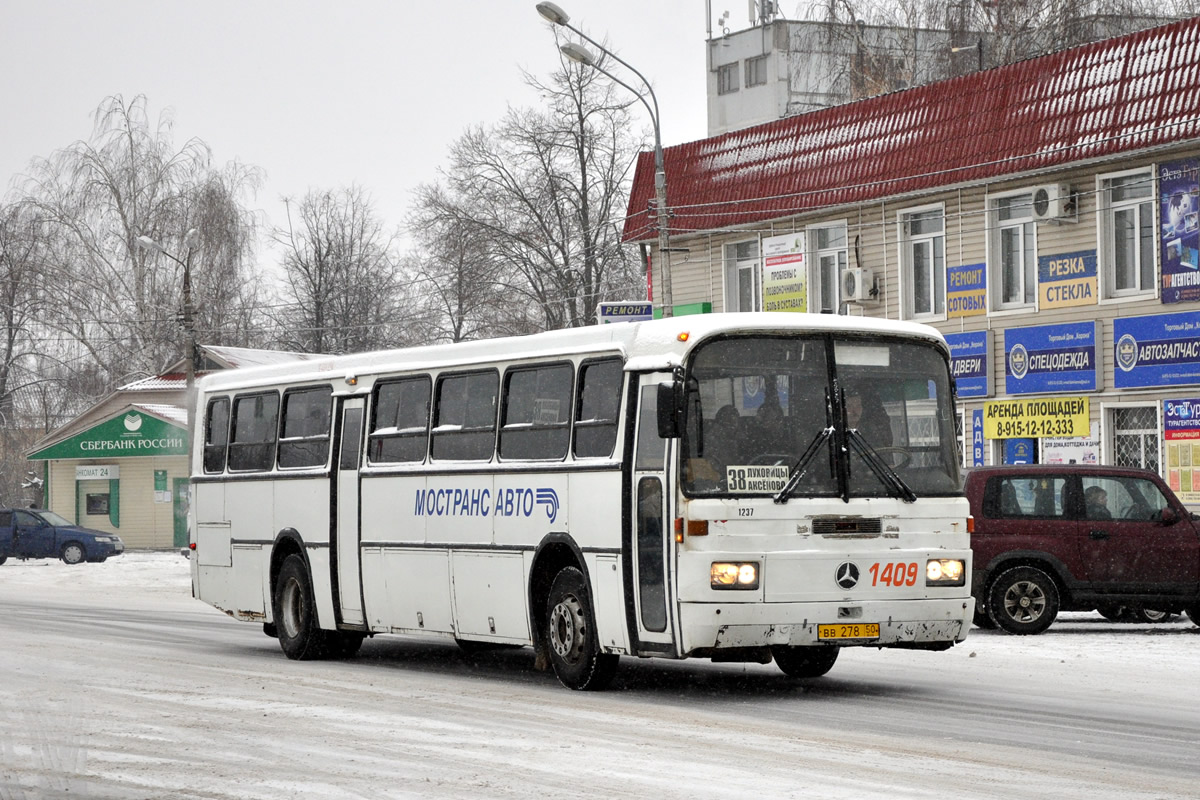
(1119, 95)
(166, 412)
(236, 357)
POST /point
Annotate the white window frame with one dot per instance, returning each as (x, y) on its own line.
(1028, 249)
(1106, 234)
(907, 247)
(1107, 431)
(736, 269)
(817, 280)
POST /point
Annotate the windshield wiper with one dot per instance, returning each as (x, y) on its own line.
(800, 468)
(887, 476)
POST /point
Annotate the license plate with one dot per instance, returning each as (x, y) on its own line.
(857, 630)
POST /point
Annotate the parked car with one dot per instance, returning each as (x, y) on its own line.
(1053, 537)
(37, 533)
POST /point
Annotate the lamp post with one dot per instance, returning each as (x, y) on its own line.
(582, 55)
(146, 243)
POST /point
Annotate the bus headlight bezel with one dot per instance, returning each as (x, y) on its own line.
(945, 572)
(734, 575)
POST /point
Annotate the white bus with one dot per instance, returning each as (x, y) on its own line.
(739, 487)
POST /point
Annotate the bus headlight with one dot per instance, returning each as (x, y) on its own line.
(945, 572)
(734, 575)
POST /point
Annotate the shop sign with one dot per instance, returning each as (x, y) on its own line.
(966, 290)
(98, 472)
(971, 363)
(1051, 358)
(1179, 197)
(1158, 350)
(624, 312)
(977, 438)
(785, 275)
(1068, 279)
(1018, 451)
(131, 434)
(1035, 417)
(1181, 431)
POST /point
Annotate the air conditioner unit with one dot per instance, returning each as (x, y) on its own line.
(1054, 201)
(857, 285)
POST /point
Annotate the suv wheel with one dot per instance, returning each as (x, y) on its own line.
(1023, 600)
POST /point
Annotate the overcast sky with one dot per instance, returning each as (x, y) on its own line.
(322, 94)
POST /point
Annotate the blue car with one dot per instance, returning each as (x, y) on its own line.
(35, 533)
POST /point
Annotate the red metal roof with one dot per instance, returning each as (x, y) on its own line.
(1119, 95)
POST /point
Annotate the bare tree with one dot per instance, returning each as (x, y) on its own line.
(120, 304)
(546, 191)
(342, 287)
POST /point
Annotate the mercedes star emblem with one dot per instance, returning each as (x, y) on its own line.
(846, 575)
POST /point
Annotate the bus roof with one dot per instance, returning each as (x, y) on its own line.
(646, 346)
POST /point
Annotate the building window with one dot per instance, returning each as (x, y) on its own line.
(756, 71)
(923, 261)
(727, 78)
(1014, 251)
(1127, 233)
(829, 256)
(1135, 437)
(742, 277)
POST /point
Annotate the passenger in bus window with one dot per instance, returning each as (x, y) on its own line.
(866, 413)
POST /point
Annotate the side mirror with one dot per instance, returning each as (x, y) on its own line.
(670, 409)
(1168, 516)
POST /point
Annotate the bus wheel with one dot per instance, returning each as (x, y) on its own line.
(804, 662)
(574, 651)
(295, 613)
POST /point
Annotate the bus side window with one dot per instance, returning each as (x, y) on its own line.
(255, 425)
(216, 434)
(537, 412)
(598, 406)
(304, 437)
(465, 417)
(400, 421)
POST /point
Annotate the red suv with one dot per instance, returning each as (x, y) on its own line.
(1055, 537)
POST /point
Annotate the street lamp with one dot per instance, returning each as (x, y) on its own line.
(189, 327)
(582, 55)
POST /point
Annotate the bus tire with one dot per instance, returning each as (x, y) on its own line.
(805, 662)
(571, 633)
(300, 634)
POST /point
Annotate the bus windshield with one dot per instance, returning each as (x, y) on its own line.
(761, 409)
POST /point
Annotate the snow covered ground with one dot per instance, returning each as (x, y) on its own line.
(115, 683)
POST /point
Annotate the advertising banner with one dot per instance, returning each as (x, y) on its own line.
(1052, 358)
(785, 275)
(1073, 450)
(1036, 417)
(966, 290)
(1158, 350)
(1068, 279)
(1181, 432)
(1019, 451)
(128, 435)
(1180, 241)
(971, 363)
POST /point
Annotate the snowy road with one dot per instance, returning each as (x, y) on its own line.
(114, 683)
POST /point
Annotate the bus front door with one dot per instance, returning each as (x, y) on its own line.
(345, 539)
(652, 548)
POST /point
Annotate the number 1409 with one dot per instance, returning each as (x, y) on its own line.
(900, 573)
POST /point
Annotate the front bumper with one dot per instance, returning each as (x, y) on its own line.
(720, 626)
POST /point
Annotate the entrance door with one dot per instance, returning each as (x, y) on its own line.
(653, 544)
(179, 495)
(345, 539)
